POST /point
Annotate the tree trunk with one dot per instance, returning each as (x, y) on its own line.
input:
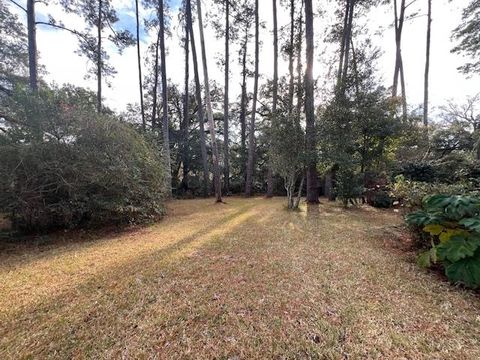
(251, 134)
(226, 169)
(165, 125)
(398, 71)
(216, 167)
(398, 41)
(355, 69)
(32, 45)
(299, 194)
(198, 95)
(347, 43)
(186, 110)
(311, 143)
(155, 84)
(342, 45)
(243, 109)
(300, 84)
(275, 92)
(139, 60)
(427, 65)
(99, 58)
(291, 85)
(404, 92)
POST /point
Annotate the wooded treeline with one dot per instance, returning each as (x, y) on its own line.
(277, 134)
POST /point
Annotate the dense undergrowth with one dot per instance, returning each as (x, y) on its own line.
(64, 166)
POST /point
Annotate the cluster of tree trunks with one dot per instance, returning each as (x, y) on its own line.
(305, 85)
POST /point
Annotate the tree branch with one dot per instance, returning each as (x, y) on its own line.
(17, 4)
(5, 90)
(84, 37)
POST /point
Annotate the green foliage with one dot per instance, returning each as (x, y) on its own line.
(66, 166)
(468, 37)
(287, 153)
(349, 186)
(418, 171)
(14, 52)
(119, 38)
(411, 193)
(453, 223)
(382, 199)
(465, 271)
(458, 247)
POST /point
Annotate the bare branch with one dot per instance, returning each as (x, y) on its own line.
(63, 28)
(17, 4)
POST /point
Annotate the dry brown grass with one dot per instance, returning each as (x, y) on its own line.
(243, 280)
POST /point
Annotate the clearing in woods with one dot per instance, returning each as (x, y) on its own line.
(241, 280)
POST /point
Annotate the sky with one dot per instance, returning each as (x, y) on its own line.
(63, 65)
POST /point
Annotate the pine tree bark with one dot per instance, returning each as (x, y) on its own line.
(155, 84)
(300, 79)
(186, 110)
(404, 92)
(348, 36)
(165, 124)
(216, 167)
(226, 160)
(427, 65)
(275, 92)
(311, 144)
(32, 45)
(342, 45)
(198, 96)
(139, 60)
(99, 57)
(251, 134)
(243, 109)
(291, 85)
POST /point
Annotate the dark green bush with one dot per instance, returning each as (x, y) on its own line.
(453, 223)
(418, 171)
(381, 199)
(349, 186)
(76, 168)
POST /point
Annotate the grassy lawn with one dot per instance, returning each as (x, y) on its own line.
(242, 280)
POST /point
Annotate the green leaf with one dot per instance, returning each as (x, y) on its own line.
(423, 218)
(434, 229)
(471, 223)
(458, 247)
(453, 207)
(465, 271)
(436, 202)
(449, 233)
(426, 258)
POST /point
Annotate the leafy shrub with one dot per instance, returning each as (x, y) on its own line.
(418, 171)
(348, 186)
(453, 223)
(411, 193)
(381, 199)
(75, 167)
(451, 168)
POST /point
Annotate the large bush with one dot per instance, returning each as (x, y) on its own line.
(65, 166)
(453, 223)
(411, 194)
(418, 171)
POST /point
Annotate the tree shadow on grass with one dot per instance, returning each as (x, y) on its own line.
(57, 319)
